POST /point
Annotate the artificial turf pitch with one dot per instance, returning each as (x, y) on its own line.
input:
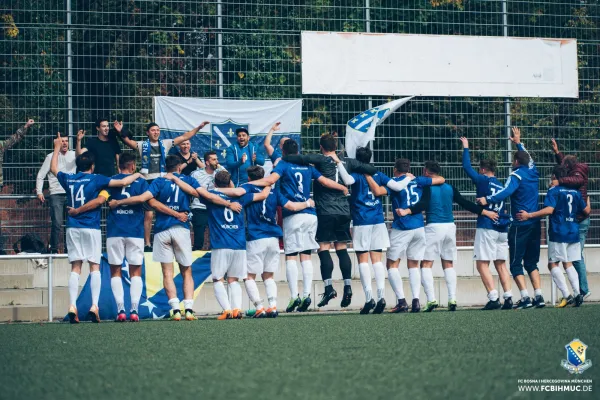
(463, 355)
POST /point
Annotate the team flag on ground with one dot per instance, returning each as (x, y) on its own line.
(360, 130)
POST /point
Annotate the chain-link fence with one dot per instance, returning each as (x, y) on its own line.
(65, 63)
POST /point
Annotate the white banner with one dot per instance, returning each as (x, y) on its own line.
(438, 65)
(176, 115)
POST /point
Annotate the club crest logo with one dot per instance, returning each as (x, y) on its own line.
(576, 362)
(223, 134)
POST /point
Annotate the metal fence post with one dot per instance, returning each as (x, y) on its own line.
(50, 287)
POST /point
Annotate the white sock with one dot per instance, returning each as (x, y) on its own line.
(573, 278)
(559, 280)
(174, 303)
(271, 289)
(507, 294)
(95, 284)
(396, 282)
(188, 304)
(427, 282)
(135, 291)
(307, 277)
(450, 275)
(221, 295)
(493, 295)
(365, 279)
(379, 271)
(252, 291)
(524, 293)
(73, 287)
(414, 277)
(291, 273)
(235, 291)
(537, 292)
(116, 283)
(328, 282)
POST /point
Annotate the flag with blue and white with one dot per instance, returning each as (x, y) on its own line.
(360, 130)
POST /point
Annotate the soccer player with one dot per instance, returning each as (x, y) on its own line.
(333, 214)
(407, 237)
(172, 237)
(370, 236)
(153, 152)
(577, 178)
(563, 205)
(523, 236)
(440, 232)
(491, 238)
(125, 235)
(299, 227)
(84, 240)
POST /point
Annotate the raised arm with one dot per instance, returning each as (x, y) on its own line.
(296, 206)
(267, 143)
(54, 161)
(78, 149)
(161, 208)
(346, 177)
(124, 135)
(189, 134)
(374, 187)
(558, 156)
(142, 198)
(16, 137)
(466, 161)
(125, 181)
(90, 205)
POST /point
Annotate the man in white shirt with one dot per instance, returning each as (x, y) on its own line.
(57, 198)
(206, 178)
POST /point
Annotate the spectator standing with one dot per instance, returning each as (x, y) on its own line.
(105, 148)
(8, 144)
(242, 155)
(189, 160)
(206, 179)
(58, 198)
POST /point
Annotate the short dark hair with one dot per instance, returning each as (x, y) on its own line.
(172, 162)
(522, 157)
(84, 161)
(239, 130)
(364, 154)
(488, 164)
(559, 171)
(99, 121)
(328, 142)
(570, 161)
(222, 179)
(150, 125)
(126, 158)
(402, 165)
(290, 147)
(433, 167)
(208, 154)
(255, 173)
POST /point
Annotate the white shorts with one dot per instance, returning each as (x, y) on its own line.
(299, 231)
(370, 237)
(84, 244)
(228, 261)
(174, 242)
(118, 248)
(262, 255)
(441, 242)
(490, 245)
(410, 244)
(563, 252)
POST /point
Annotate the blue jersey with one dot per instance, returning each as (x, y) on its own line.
(440, 205)
(567, 203)
(295, 184)
(262, 216)
(410, 196)
(522, 187)
(126, 221)
(226, 227)
(172, 196)
(366, 209)
(81, 188)
(487, 186)
(276, 154)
